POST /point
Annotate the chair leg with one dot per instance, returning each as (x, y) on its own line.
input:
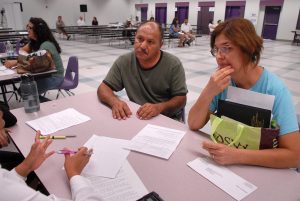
(59, 92)
(70, 93)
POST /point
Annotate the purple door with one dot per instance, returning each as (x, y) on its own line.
(161, 15)
(204, 16)
(270, 25)
(234, 11)
(144, 11)
(182, 13)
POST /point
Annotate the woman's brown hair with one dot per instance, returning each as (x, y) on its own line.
(241, 33)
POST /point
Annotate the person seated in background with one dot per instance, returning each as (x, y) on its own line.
(136, 22)
(175, 32)
(237, 49)
(186, 28)
(80, 21)
(60, 27)
(152, 19)
(151, 77)
(41, 38)
(95, 21)
(211, 26)
(128, 23)
(13, 187)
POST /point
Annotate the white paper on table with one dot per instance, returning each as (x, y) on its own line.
(156, 140)
(58, 121)
(206, 128)
(108, 156)
(225, 179)
(127, 186)
(251, 98)
(5, 71)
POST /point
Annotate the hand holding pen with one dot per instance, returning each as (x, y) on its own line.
(74, 164)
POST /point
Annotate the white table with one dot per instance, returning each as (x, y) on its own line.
(172, 178)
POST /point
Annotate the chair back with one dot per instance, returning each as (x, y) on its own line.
(2, 47)
(18, 45)
(71, 75)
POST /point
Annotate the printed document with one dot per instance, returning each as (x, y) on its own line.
(127, 186)
(225, 179)
(58, 121)
(108, 156)
(157, 141)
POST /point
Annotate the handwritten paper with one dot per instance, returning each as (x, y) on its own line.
(225, 179)
(127, 186)
(108, 156)
(157, 141)
(58, 121)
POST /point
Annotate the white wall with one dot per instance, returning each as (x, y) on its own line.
(253, 12)
(119, 10)
(288, 19)
(106, 11)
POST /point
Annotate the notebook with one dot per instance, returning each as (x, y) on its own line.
(252, 116)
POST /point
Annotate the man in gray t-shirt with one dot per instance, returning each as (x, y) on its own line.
(152, 78)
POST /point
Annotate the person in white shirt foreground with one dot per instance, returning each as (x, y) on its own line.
(14, 188)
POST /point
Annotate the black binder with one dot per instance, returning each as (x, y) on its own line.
(252, 116)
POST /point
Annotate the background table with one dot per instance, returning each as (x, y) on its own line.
(172, 178)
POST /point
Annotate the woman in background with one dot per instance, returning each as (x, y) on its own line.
(41, 38)
(95, 21)
(175, 32)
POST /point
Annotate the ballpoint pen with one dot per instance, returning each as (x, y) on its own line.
(90, 152)
(66, 152)
(57, 136)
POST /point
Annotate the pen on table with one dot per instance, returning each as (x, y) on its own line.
(72, 152)
(57, 136)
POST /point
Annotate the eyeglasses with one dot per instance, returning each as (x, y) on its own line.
(221, 50)
(28, 27)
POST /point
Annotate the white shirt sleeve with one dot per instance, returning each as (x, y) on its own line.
(14, 188)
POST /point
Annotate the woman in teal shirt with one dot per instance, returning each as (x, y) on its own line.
(41, 38)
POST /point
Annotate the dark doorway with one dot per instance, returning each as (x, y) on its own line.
(204, 16)
(144, 11)
(270, 25)
(182, 13)
(161, 15)
(234, 11)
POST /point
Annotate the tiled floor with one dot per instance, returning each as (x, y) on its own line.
(96, 57)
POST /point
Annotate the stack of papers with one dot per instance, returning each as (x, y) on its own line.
(109, 171)
(157, 141)
(58, 121)
(108, 156)
(127, 186)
